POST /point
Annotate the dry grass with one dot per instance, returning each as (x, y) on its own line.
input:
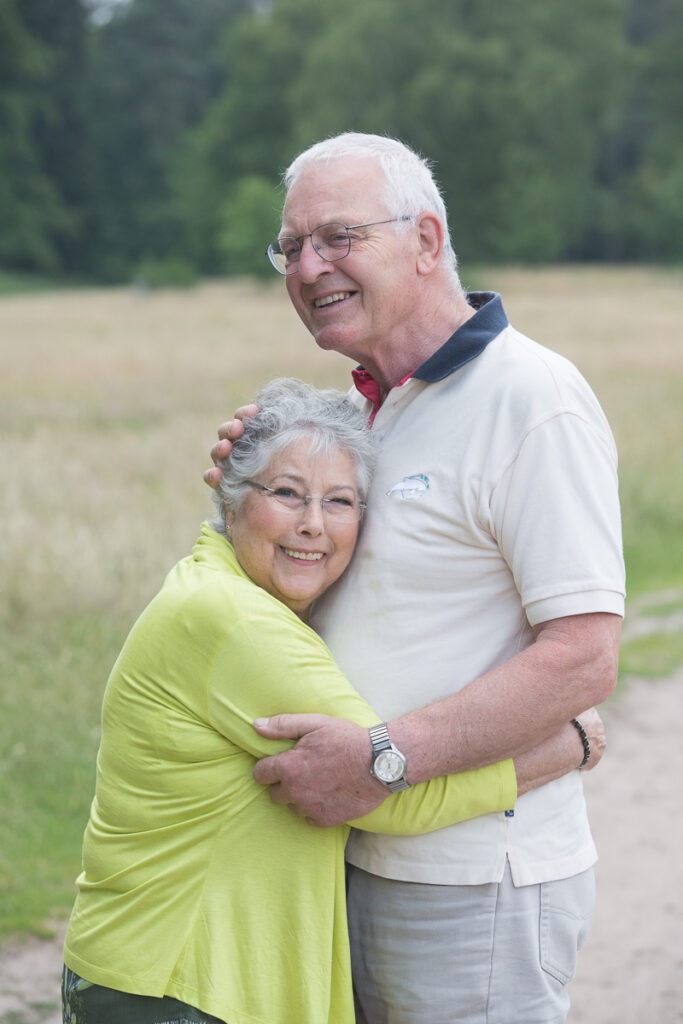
(109, 401)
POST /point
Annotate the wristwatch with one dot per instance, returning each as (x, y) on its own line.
(388, 763)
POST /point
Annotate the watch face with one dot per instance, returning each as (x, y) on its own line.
(389, 766)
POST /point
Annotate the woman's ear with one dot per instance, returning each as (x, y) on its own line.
(430, 237)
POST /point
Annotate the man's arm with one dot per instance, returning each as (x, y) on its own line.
(571, 666)
(562, 752)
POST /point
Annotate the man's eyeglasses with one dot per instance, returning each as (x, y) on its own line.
(332, 242)
(339, 507)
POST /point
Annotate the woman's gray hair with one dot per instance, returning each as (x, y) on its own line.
(290, 411)
(410, 185)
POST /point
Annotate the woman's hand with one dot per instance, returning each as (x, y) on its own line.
(595, 731)
(561, 753)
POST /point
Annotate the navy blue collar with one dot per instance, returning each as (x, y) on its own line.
(469, 341)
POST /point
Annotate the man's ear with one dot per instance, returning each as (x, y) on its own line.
(430, 237)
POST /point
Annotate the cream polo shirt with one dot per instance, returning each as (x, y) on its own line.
(494, 508)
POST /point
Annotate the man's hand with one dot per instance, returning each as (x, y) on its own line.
(228, 432)
(326, 777)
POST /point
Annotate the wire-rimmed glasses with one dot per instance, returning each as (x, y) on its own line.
(338, 506)
(332, 242)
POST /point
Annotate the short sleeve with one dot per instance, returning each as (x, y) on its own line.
(555, 514)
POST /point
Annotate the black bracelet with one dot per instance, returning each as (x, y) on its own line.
(584, 739)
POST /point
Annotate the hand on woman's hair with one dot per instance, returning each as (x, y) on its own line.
(228, 432)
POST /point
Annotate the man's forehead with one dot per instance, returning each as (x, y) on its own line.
(345, 192)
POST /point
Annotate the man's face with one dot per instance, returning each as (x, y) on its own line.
(361, 303)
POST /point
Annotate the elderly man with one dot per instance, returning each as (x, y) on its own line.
(482, 609)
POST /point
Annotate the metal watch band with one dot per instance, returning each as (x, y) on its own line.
(396, 787)
(379, 737)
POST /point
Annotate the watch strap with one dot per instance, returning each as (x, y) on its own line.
(379, 737)
(398, 785)
(380, 740)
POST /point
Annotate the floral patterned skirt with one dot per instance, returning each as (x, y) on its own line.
(85, 1003)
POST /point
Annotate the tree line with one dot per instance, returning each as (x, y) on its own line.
(152, 143)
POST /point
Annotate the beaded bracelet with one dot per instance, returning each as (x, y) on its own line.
(584, 739)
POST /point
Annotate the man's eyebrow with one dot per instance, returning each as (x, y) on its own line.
(284, 233)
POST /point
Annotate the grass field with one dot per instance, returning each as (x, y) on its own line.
(109, 401)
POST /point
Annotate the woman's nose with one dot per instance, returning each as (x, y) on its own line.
(312, 519)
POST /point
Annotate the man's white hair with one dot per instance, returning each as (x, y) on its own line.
(410, 186)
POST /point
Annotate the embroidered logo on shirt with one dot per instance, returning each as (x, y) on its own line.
(411, 488)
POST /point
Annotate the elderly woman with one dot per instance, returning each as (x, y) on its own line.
(200, 898)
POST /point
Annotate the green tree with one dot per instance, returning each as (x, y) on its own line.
(554, 128)
(32, 213)
(648, 222)
(248, 219)
(60, 129)
(510, 100)
(154, 68)
(249, 129)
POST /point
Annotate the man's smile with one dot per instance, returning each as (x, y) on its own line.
(328, 300)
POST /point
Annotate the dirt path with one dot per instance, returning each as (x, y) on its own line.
(631, 970)
(29, 981)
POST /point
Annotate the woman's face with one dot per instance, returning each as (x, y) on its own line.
(295, 554)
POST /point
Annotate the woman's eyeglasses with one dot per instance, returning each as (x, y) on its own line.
(347, 510)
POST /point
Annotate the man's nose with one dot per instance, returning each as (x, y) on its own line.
(311, 263)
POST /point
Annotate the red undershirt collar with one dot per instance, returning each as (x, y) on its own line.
(370, 389)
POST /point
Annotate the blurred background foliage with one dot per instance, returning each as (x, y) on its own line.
(141, 135)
